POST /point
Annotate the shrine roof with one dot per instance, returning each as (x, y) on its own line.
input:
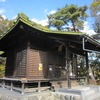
(38, 27)
(22, 25)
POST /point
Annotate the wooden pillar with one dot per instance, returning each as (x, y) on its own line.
(68, 66)
(3, 84)
(75, 64)
(39, 86)
(22, 91)
(11, 85)
(87, 66)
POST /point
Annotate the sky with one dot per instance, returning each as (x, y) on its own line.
(37, 10)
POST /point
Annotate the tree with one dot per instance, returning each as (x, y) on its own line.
(95, 13)
(68, 14)
(5, 24)
(55, 20)
(97, 24)
(95, 8)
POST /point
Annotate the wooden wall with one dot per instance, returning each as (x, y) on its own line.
(20, 63)
(35, 64)
(56, 64)
(9, 64)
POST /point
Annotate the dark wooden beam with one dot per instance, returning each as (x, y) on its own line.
(87, 66)
(74, 62)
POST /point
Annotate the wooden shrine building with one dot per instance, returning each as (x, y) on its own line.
(37, 54)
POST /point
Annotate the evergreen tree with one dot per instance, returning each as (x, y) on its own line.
(68, 14)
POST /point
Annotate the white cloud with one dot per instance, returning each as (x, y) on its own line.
(2, 0)
(4, 16)
(49, 12)
(14, 17)
(87, 29)
(52, 12)
(43, 22)
(2, 11)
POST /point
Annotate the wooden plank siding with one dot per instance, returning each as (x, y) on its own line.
(20, 64)
(34, 63)
(37, 63)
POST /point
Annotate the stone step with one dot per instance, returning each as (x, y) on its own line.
(94, 96)
(87, 91)
(82, 88)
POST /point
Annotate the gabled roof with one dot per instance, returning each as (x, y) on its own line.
(74, 39)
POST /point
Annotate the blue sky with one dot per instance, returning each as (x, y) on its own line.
(37, 10)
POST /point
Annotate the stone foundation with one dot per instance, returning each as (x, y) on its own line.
(76, 93)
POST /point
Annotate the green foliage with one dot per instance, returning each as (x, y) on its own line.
(2, 70)
(5, 24)
(67, 14)
(79, 24)
(55, 20)
(2, 67)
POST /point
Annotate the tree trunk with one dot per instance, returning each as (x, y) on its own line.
(73, 24)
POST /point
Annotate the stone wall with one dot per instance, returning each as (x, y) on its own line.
(39, 96)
